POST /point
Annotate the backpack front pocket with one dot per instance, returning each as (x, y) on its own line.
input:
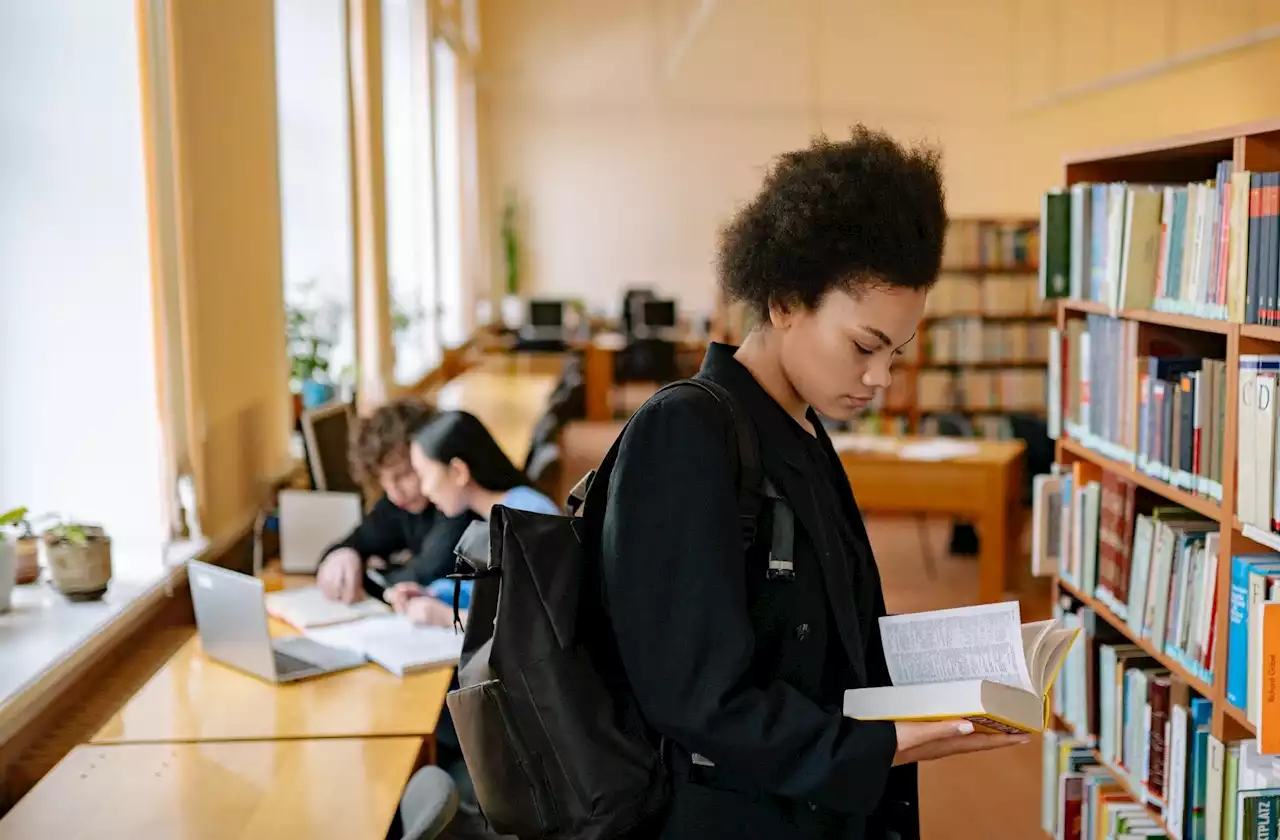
(511, 784)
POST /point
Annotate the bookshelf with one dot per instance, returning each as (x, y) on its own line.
(979, 351)
(1151, 313)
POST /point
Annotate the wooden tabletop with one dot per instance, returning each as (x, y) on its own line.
(262, 790)
(193, 698)
(507, 394)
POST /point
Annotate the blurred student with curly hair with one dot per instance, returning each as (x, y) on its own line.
(401, 521)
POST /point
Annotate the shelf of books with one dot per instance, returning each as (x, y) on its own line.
(1159, 523)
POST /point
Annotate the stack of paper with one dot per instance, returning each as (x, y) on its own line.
(308, 607)
(395, 643)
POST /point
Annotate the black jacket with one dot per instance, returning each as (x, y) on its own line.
(429, 536)
(733, 666)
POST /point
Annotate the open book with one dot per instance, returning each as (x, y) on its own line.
(308, 607)
(395, 643)
(979, 663)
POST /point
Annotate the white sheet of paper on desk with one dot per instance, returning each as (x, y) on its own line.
(982, 642)
(395, 643)
(847, 442)
(308, 607)
(938, 449)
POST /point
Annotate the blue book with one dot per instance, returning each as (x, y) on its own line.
(1201, 715)
(1242, 565)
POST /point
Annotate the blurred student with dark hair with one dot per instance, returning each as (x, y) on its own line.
(463, 472)
(403, 520)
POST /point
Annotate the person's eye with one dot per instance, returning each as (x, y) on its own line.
(862, 350)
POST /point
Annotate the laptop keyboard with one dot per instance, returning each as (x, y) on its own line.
(287, 665)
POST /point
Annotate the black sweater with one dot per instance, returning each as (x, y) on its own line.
(388, 530)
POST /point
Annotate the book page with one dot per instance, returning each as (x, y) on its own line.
(308, 607)
(967, 643)
(393, 642)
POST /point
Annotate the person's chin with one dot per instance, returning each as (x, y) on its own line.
(844, 408)
(415, 507)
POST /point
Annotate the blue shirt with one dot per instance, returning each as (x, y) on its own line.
(517, 498)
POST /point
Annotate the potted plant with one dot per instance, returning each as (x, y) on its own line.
(512, 307)
(8, 557)
(27, 546)
(311, 332)
(79, 560)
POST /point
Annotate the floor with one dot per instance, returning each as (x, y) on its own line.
(984, 795)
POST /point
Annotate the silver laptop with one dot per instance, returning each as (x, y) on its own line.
(231, 616)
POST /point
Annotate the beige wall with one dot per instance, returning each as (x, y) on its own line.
(627, 167)
(232, 294)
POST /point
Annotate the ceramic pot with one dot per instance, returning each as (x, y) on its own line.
(28, 560)
(315, 393)
(80, 572)
(8, 573)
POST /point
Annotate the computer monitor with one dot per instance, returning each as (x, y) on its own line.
(327, 432)
(659, 314)
(546, 313)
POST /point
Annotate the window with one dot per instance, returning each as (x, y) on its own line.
(80, 428)
(449, 203)
(411, 269)
(315, 188)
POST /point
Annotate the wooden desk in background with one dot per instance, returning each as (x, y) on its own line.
(598, 363)
(193, 699)
(509, 394)
(984, 487)
(344, 789)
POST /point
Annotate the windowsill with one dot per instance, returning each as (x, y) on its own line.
(45, 638)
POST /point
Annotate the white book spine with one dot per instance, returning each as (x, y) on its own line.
(1244, 432)
(1264, 435)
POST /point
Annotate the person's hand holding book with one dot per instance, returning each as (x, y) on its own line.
(927, 741)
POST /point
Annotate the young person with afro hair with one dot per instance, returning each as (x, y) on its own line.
(741, 672)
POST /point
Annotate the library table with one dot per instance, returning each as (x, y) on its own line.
(256, 790)
(193, 698)
(983, 486)
(508, 394)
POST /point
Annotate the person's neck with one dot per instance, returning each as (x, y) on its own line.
(759, 355)
(481, 501)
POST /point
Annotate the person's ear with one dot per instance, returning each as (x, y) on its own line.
(460, 472)
(780, 314)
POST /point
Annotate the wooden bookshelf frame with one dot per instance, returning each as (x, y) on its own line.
(1253, 147)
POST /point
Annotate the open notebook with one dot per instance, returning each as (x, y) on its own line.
(308, 607)
(394, 643)
(979, 663)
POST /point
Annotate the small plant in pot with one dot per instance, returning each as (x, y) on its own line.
(28, 548)
(8, 557)
(79, 560)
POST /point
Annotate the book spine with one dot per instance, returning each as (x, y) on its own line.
(1238, 635)
(1158, 699)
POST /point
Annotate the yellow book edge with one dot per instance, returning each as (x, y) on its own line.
(985, 721)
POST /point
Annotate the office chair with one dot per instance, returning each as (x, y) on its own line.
(646, 360)
(428, 804)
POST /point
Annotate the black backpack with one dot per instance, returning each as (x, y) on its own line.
(556, 746)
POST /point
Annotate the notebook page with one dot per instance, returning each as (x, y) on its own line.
(394, 642)
(967, 643)
(308, 607)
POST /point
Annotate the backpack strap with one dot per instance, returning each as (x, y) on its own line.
(753, 487)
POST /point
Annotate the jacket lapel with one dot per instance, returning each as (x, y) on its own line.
(797, 488)
(784, 462)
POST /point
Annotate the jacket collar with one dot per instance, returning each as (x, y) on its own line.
(785, 463)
